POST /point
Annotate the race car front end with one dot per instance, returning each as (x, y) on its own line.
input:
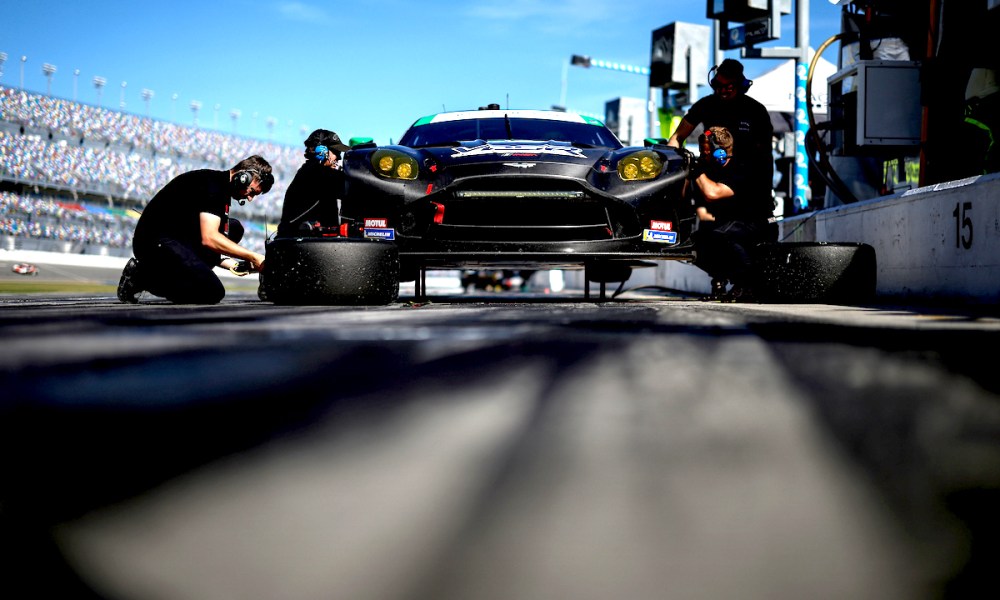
(521, 202)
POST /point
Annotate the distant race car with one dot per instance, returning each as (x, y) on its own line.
(25, 269)
(489, 189)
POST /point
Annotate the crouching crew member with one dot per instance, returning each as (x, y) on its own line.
(185, 231)
(310, 201)
(735, 212)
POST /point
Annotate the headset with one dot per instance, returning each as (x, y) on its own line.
(243, 179)
(717, 152)
(321, 153)
(713, 81)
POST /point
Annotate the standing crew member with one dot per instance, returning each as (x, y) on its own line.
(729, 106)
(185, 231)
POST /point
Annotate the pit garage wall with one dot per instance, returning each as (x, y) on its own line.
(939, 243)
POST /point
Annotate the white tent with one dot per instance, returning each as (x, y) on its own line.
(775, 89)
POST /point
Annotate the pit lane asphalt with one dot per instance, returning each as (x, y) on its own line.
(497, 446)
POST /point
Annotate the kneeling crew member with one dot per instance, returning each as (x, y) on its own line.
(185, 231)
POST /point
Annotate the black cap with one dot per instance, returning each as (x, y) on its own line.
(325, 137)
(731, 69)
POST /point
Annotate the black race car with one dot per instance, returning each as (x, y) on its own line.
(490, 188)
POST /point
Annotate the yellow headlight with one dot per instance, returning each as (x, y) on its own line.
(394, 164)
(641, 165)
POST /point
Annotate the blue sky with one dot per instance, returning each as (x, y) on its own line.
(361, 68)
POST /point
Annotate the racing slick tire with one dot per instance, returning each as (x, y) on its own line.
(337, 271)
(814, 272)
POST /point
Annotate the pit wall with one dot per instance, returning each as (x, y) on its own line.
(938, 243)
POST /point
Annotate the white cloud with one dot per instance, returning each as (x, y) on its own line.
(300, 11)
(570, 12)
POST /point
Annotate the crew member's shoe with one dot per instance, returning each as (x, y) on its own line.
(741, 294)
(718, 290)
(128, 287)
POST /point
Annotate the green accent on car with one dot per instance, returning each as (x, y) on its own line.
(593, 121)
(424, 120)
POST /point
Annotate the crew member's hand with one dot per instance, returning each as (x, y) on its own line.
(258, 261)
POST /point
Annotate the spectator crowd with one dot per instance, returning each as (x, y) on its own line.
(65, 150)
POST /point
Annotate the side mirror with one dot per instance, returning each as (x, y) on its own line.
(361, 142)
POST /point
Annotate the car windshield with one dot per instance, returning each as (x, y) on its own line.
(450, 133)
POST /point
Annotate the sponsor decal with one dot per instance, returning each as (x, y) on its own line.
(376, 223)
(520, 165)
(514, 150)
(661, 225)
(660, 237)
(380, 234)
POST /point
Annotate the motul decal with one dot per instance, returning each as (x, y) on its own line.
(661, 225)
(508, 150)
(377, 223)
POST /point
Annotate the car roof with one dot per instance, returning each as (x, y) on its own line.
(548, 115)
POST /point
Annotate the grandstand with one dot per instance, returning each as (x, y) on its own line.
(75, 177)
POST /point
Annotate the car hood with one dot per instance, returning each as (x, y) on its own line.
(517, 155)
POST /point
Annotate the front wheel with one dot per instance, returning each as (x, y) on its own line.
(336, 271)
(815, 272)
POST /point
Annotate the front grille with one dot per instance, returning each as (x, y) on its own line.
(503, 194)
(522, 216)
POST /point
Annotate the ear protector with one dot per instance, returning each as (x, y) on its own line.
(321, 153)
(243, 178)
(713, 80)
(717, 152)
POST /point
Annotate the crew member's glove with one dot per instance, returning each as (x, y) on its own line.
(242, 267)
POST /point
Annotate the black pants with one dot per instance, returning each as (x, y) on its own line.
(181, 274)
(724, 249)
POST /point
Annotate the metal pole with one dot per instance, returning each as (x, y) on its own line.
(565, 79)
(654, 121)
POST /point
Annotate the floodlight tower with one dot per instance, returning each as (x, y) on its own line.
(76, 79)
(173, 107)
(235, 114)
(587, 62)
(24, 59)
(3, 59)
(48, 70)
(271, 121)
(147, 95)
(99, 83)
(121, 101)
(195, 107)
(215, 117)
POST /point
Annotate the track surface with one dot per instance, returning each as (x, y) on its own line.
(497, 446)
